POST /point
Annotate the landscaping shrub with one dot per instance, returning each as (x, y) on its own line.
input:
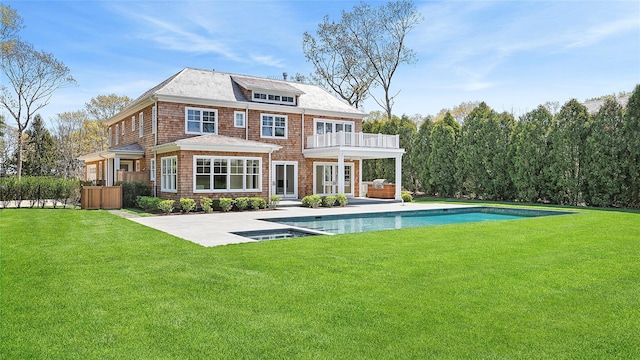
(226, 204)
(131, 191)
(274, 200)
(38, 189)
(166, 206)
(341, 200)
(206, 204)
(328, 201)
(312, 201)
(256, 203)
(406, 197)
(187, 205)
(148, 203)
(242, 203)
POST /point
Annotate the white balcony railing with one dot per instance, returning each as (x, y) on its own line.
(353, 139)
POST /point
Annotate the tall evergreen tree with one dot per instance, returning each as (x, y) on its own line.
(568, 144)
(442, 159)
(604, 153)
(40, 152)
(419, 157)
(631, 134)
(484, 160)
(530, 153)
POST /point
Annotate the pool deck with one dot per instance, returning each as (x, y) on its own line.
(216, 228)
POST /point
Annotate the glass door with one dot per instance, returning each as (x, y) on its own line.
(326, 179)
(286, 179)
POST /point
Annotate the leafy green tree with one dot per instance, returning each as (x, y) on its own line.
(530, 153)
(419, 156)
(631, 135)
(97, 111)
(484, 160)
(40, 151)
(442, 158)
(568, 145)
(604, 153)
(385, 168)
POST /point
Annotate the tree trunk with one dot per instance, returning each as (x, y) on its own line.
(19, 156)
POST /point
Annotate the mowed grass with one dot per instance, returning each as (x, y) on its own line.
(87, 284)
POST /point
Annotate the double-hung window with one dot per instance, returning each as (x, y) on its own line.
(274, 126)
(169, 173)
(152, 174)
(117, 133)
(201, 121)
(238, 119)
(141, 124)
(133, 123)
(226, 174)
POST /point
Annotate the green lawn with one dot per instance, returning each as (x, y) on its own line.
(87, 284)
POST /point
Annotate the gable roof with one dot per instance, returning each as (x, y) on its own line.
(223, 89)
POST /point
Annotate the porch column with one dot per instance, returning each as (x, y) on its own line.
(109, 174)
(399, 177)
(340, 173)
(116, 167)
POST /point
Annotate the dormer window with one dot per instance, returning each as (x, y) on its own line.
(274, 98)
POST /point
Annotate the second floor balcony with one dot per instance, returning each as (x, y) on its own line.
(351, 139)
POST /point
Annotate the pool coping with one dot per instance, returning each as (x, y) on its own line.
(217, 229)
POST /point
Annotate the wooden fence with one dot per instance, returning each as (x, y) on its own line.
(101, 197)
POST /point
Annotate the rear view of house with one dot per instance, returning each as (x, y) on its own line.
(215, 134)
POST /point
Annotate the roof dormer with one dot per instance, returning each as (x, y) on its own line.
(269, 91)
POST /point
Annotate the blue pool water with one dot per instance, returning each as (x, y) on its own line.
(353, 223)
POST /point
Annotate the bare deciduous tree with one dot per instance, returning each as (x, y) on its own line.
(33, 77)
(364, 49)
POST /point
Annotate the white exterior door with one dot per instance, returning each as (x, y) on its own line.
(286, 179)
(326, 179)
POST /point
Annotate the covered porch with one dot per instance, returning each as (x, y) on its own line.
(116, 164)
(346, 148)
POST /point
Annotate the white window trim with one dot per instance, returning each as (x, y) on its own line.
(279, 102)
(123, 126)
(186, 121)
(334, 122)
(286, 126)
(244, 175)
(110, 137)
(152, 174)
(244, 121)
(117, 133)
(163, 184)
(141, 124)
(133, 123)
(92, 172)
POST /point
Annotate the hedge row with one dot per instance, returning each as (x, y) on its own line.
(154, 204)
(37, 190)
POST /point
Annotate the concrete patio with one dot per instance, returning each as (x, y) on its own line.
(216, 228)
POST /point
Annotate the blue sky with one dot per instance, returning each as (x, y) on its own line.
(514, 55)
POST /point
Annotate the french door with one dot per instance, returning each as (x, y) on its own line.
(285, 175)
(326, 179)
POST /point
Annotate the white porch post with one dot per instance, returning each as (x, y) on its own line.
(109, 174)
(399, 177)
(360, 194)
(116, 167)
(340, 173)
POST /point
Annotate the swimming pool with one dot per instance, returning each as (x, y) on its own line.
(352, 223)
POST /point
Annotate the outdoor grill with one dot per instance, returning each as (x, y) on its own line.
(379, 183)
